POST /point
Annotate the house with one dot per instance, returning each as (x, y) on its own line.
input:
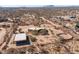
(22, 39)
(38, 31)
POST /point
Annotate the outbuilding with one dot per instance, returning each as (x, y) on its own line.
(38, 31)
(22, 39)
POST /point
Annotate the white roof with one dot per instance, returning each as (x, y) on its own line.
(35, 28)
(20, 37)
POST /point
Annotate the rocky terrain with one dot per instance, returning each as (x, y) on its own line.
(50, 30)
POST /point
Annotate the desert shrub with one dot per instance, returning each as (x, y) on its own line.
(35, 32)
(12, 51)
(44, 51)
(43, 32)
(20, 30)
(15, 51)
(22, 51)
(77, 25)
(33, 39)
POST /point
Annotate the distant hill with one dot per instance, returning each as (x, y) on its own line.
(49, 6)
(10, 9)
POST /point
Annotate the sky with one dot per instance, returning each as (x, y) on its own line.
(37, 2)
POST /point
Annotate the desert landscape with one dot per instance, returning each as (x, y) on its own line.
(39, 30)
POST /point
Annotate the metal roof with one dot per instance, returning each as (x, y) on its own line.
(20, 37)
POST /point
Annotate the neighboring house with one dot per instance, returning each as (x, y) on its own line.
(38, 31)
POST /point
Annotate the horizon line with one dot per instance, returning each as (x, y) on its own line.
(38, 5)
